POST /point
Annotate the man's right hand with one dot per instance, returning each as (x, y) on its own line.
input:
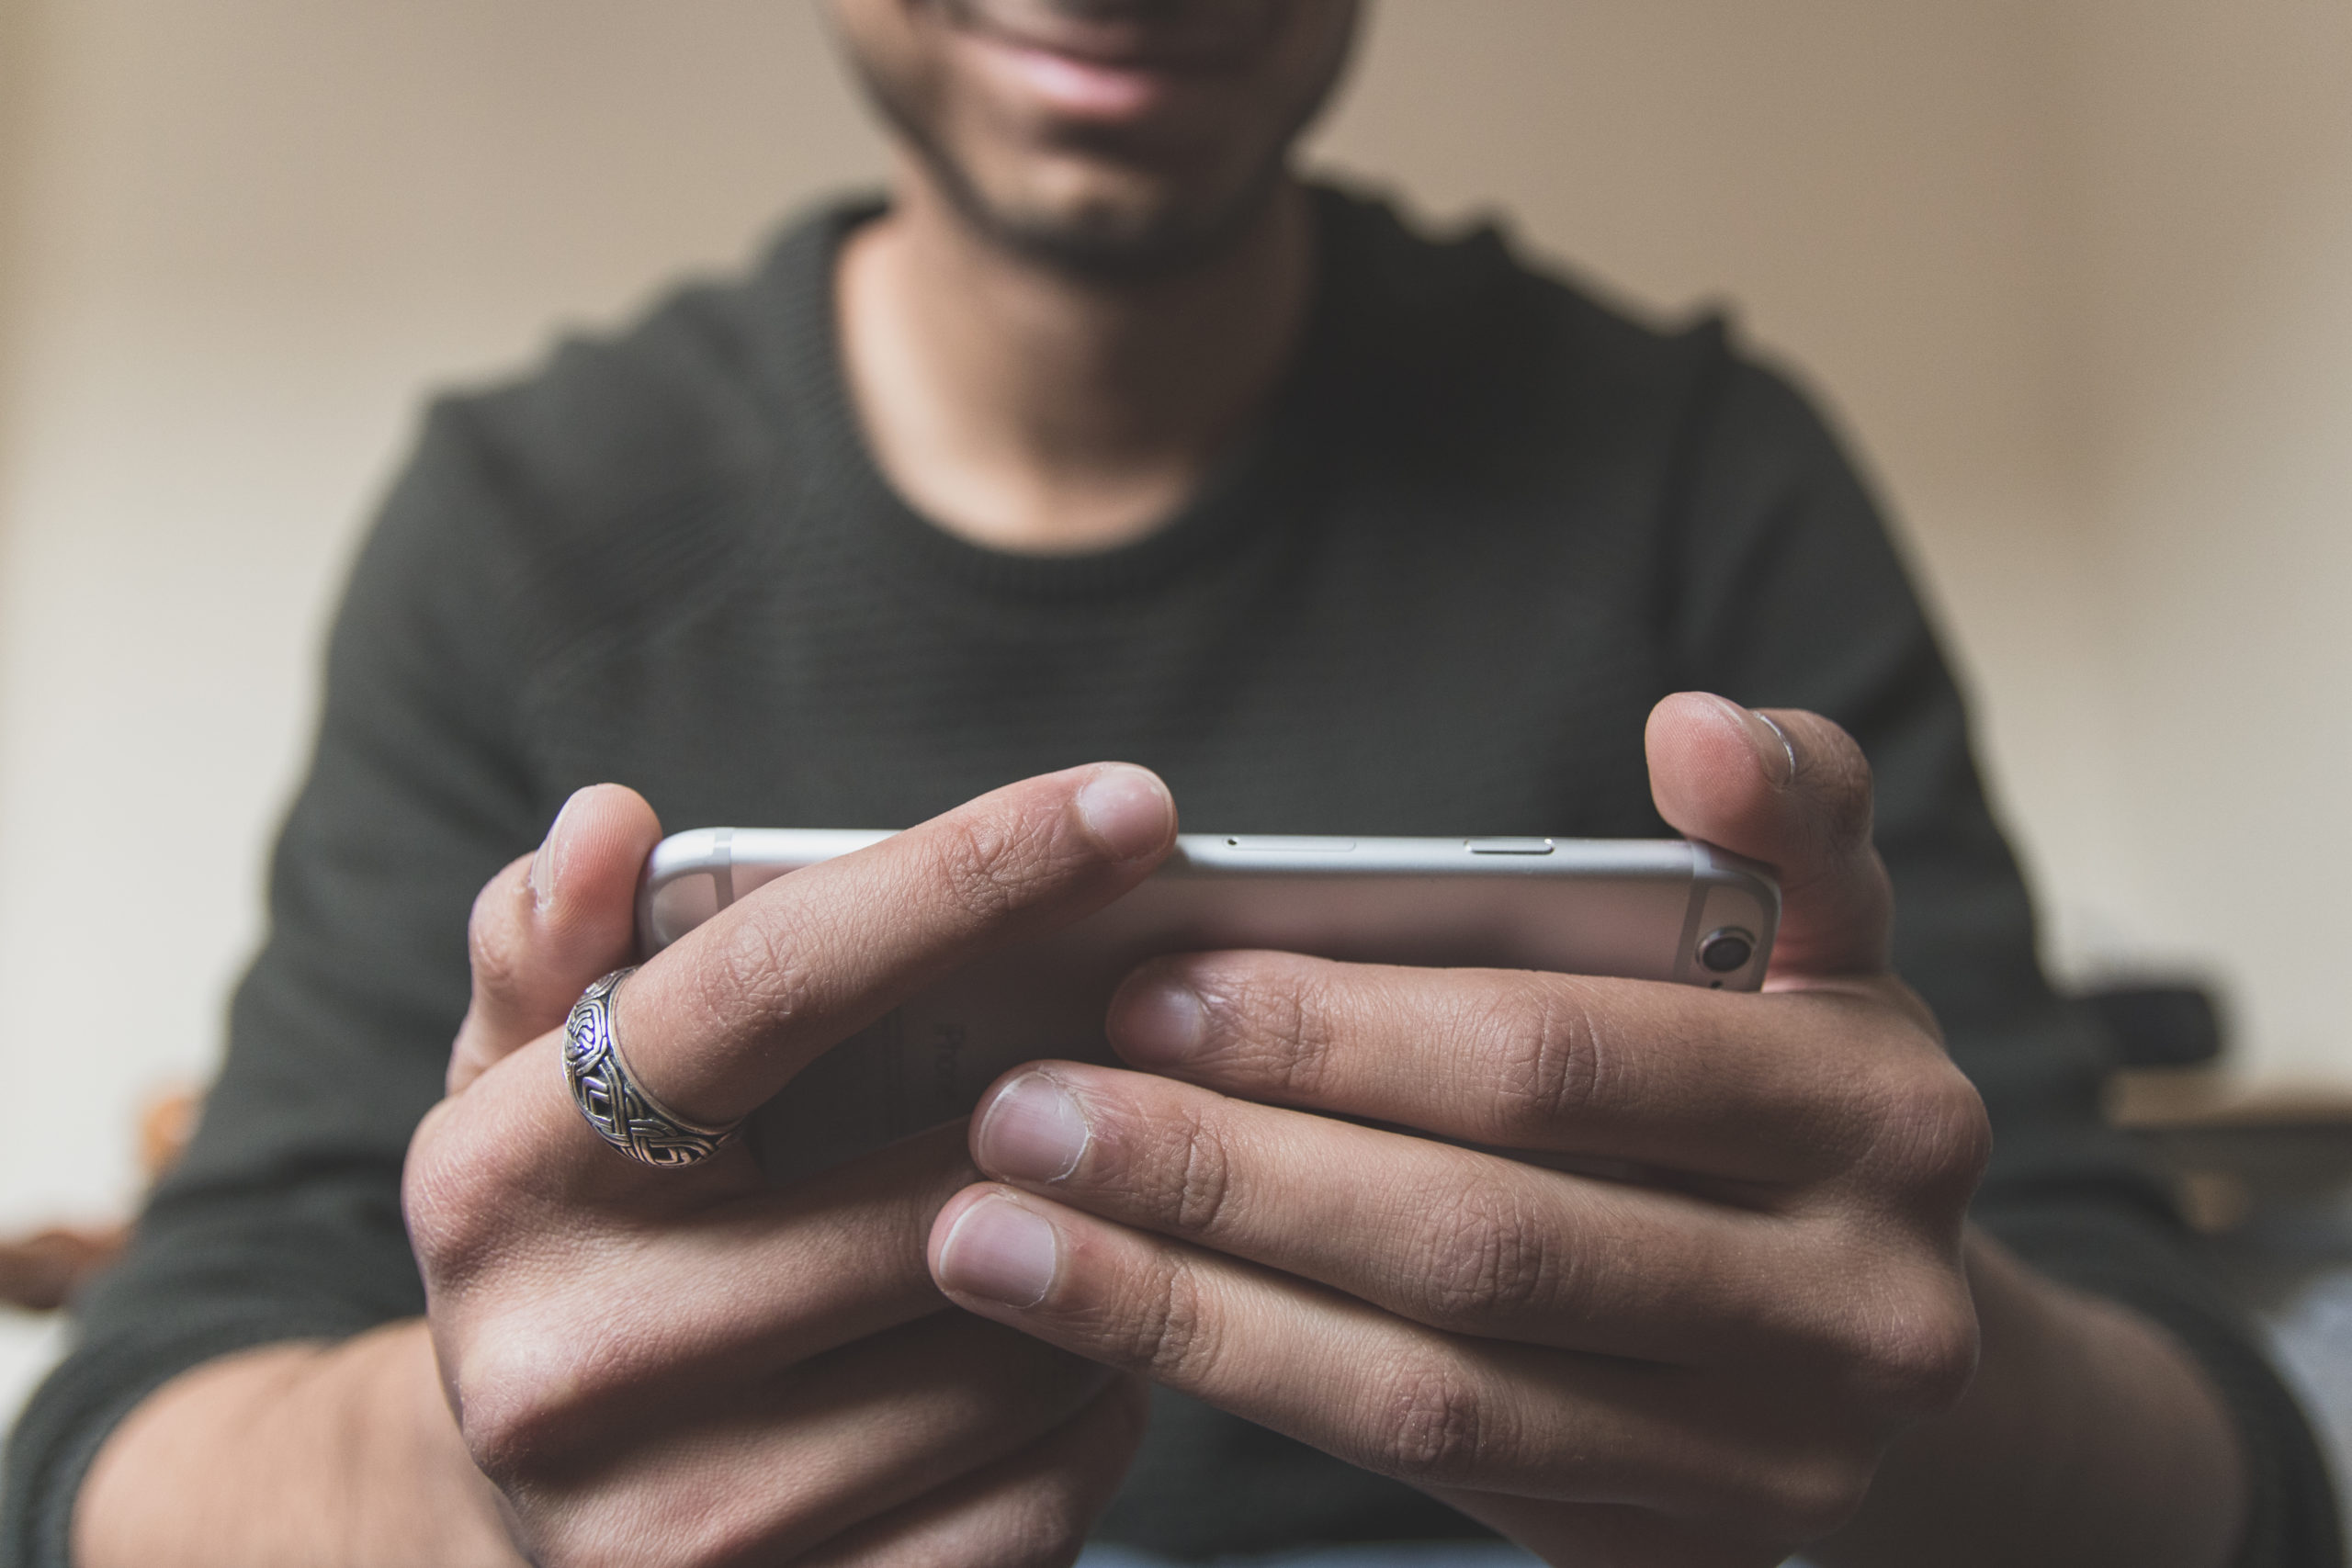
(690, 1366)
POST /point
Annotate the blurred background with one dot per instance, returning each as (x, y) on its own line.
(2076, 275)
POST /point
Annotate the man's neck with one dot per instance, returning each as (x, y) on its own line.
(1024, 409)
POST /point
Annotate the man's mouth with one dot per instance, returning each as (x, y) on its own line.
(1154, 36)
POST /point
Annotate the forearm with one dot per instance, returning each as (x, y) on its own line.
(304, 1456)
(2088, 1438)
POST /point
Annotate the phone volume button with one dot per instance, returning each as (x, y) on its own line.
(1507, 846)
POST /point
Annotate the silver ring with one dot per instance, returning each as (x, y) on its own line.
(622, 1115)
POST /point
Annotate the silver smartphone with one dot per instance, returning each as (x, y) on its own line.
(1650, 909)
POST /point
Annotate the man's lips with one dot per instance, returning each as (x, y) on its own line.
(1098, 69)
(1079, 88)
(1200, 37)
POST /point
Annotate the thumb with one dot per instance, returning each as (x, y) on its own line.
(1791, 789)
(550, 924)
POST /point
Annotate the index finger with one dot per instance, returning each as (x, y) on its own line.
(716, 1024)
(1774, 1088)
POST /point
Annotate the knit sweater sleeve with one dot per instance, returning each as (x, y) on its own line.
(283, 1223)
(1786, 592)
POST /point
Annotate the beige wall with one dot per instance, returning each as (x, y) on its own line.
(2211, 202)
(1880, 190)
(2077, 272)
(19, 74)
(257, 230)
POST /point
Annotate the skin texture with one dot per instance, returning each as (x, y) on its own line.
(1780, 1331)
(1114, 142)
(1689, 1282)
(688, 1366)
(1079, 298)
(1703, 1364)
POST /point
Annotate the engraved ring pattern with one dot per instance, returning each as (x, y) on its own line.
(622, 1115)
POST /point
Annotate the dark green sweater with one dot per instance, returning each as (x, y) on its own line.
(1487, 525)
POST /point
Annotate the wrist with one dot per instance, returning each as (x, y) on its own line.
(295, 1454)
(2090, 1436)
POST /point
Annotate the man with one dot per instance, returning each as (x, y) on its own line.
(1108, 439)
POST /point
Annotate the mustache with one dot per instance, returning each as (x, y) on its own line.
(1123, 32)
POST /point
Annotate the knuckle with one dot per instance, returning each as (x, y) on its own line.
(494, 949)
(1195, 1204)
(1811, 1496)
(759, 970)
(442, 1229)
(530, 1399)
(1917, 1353)
(1050, 1517)
(454, 1198)
(1959, 1139)
(1930, 1135)
(1275, 1016)
(1168, 1337)
(989, 864)
(1550, 1058)
(512, 1430)
(1478, 1257)
(1430, 1430)
(568, 1546)
(696, 1522)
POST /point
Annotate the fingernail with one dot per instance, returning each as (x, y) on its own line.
(1158, 1020)
(543, 865)
(1033, 1130)
(1128, 810)
(1774, 753)
(1001, 1252)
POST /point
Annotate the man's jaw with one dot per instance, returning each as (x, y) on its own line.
(1124, 95)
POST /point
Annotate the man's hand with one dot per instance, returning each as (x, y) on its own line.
(1638, 1274)
(675, 1366)
(691, 1366)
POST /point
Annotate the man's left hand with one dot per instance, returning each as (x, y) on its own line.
(1669, 1270)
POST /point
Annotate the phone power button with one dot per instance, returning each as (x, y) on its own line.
(1507, 846)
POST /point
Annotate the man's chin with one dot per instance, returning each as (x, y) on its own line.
(1131, 234)
(1098, 204)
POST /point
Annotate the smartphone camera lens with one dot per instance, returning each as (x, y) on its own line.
(1727, 950)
